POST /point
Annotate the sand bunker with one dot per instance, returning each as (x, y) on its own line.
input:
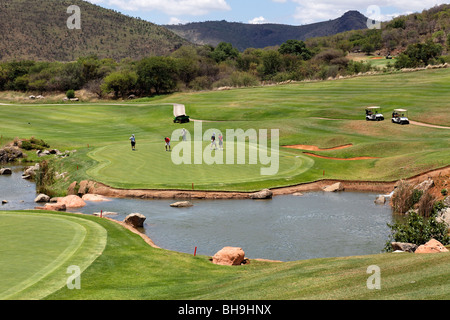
(339, 159)
(315, 148)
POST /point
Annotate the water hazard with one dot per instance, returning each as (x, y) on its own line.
(286, 228)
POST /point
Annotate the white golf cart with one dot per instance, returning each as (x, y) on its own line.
(400, 116)
(374, 114)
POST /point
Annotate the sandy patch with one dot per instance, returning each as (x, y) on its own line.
(315, 148)
(339, 159)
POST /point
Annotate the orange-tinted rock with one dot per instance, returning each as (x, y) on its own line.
(229, 256)
(432, 246)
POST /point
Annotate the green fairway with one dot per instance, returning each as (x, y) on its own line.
(36, 250)
(324, 114)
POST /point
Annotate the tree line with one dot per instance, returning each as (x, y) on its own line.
(197, 68)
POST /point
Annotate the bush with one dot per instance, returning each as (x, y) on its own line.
(426, 205)
(403, 197)
(418, 230)
(70, 94)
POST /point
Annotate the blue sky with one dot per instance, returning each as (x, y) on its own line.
(293, 12)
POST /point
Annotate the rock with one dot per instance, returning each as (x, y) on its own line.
(182, 204)
(106, 213)
(42, 198)
(55, 207)
(5, 171)
(135, 220)
(4, 201)
(432, 246)
(229, 256)
(10, 154)
(297, 194)
(380, 200)
(425, 186)
(334, 187)
(263, 194)
(444, 216)
(94, 198)
(83, 189)
(405, 247)
(30, 172)
(72, 189)
(447, 201)
(72, 201)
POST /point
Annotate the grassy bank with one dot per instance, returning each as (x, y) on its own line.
(130, 269)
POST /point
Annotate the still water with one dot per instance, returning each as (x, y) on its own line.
(286, 228)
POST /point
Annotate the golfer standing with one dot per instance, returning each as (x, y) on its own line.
(167, 140)
(213, 142)
(133, 142)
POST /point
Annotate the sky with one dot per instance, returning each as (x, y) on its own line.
(292, 12)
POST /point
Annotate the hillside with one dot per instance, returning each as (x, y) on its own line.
(244, 36)
(37, 30)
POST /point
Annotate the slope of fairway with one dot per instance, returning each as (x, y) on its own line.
(37, 249)
(130, 269)
(325, 114)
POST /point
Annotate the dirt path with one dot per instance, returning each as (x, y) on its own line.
(428, 125)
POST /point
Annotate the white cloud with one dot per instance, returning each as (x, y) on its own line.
(258, 20)
(309, 11)
(170, 7)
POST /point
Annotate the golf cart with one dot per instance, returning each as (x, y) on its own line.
(374, 114)
(181, 119)
(400, 116)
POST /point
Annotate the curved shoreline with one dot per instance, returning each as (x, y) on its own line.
(348, 185)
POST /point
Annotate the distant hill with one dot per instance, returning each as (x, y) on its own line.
(244, 36)
(38, 30)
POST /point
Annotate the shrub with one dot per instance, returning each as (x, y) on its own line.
(70, 94)
(402, 199)
(45, 178)
(444, 192)
(418, 230)
(426, 205)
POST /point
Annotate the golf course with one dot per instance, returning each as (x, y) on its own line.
(323, 134)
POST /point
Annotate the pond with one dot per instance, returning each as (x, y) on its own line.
(286, 228)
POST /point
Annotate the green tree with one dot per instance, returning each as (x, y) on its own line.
(157, 74)
(120, 82)
(296, 47)
(224, 51)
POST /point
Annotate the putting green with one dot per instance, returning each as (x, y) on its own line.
(38, 248)
(151, 167)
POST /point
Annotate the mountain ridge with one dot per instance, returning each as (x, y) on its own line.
(37, 30)
(243, 36)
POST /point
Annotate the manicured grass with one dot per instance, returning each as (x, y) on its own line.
(100, 132)
(129, 269)
(37, 248)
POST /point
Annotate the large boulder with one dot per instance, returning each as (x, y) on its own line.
(432, 246)
(402, 246)
(72, 201)
(72, 189)
(263, 194)
(334, 187)
(135, 220)
(55, 207)
(229, 256)
(444, 216)
(182, 204)
(10, 154)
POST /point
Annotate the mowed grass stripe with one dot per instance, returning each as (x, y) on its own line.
(40, 248)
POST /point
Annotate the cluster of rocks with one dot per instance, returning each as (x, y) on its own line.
(432, 246)
(44, 153)
(10, 154)
(71, 99)
(32, 97)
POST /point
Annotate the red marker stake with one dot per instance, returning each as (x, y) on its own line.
(195, 251)
(101, 213)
